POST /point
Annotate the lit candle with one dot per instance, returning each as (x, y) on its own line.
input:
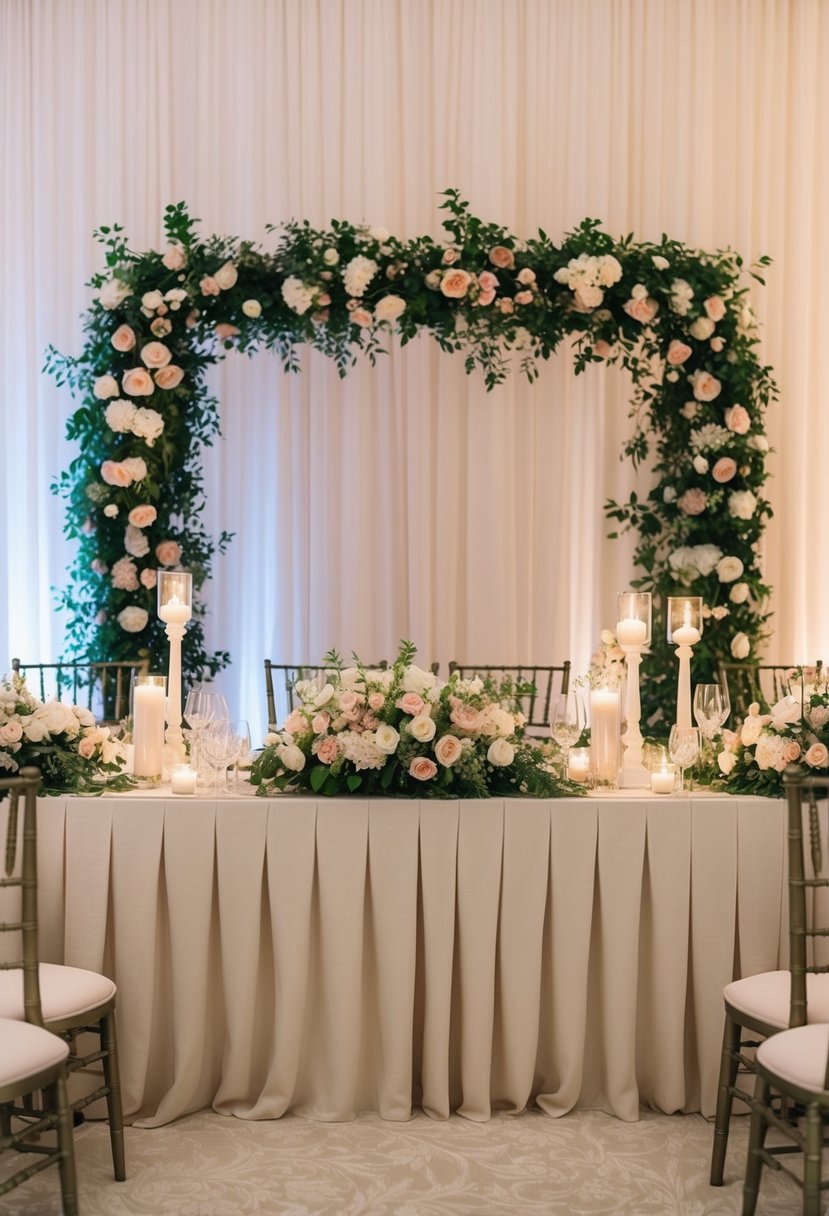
(148, 727)
(578, 764)
(183, 780)
(605, 724)
(631, 631)
(663, 780)
(686, 635)
(174, 612)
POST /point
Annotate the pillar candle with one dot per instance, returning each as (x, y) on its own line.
(148, 729)
(605, 727)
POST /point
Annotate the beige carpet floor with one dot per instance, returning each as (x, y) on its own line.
(588, 1162)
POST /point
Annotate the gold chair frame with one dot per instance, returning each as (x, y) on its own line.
(744, 682)
(536, 706)
(292, 672)
(80, 679)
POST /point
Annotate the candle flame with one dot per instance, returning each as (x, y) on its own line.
(686, 620)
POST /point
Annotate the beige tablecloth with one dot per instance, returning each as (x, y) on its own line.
(326, 957)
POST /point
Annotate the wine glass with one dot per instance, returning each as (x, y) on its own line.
(244, 754)
(710, 711)
(566, 722)
(220, 743)
(201, 707)
(683, 748)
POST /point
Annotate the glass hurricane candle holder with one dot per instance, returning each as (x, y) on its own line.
(684, 626)
(148, 701)
(633, 632)
(175, 597)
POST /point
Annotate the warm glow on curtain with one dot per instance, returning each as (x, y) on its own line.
(405, 501)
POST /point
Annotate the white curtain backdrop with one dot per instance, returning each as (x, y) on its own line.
(405, 501)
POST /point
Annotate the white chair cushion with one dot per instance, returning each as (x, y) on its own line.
(26, 1051)
(65, 992)
(798, 1056)
(766, 997)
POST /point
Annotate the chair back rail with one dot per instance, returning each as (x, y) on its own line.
(282, 677)
(765, 683)
(807, 797)
(20, 872)
(101, 687)
(535, 705)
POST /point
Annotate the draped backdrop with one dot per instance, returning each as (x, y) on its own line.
(405, 501)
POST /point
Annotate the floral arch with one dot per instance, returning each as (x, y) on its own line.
(677, 319)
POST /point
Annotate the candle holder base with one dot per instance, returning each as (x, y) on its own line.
(635, 778)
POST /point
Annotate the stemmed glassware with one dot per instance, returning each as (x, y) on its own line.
(566, 722)
(711, 709)
(683, 748)
(223, 743)
(202, 707)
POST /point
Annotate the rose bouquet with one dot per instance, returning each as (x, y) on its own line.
(400, 733)
(73, 754)
(793, 731)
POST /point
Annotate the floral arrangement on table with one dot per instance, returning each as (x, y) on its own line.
(678, 320)
(792, 731)
(74, 754)
(398, 732)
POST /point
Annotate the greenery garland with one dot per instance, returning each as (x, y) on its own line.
(677, 319)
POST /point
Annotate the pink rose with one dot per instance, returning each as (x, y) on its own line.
(450, 257)
(706, 387)
(717, 344)
(149, 578)
(467, 717)
(791, 751)
(174, 258)
(209, 286)
(348, 699)
(411, 703)
(502, 257)
(485, 298)
(678, 352)
(125, 575)
(138, 383)
(11, 732)
(169, 376)
(487, 281)
(448, 749)
(114, 474)
(295, 722)
(506, 305)
(143, 516)
(320, 723)
(327, 750)
(225, 330)
(361, 317)
(155, 354)
(603, 349)
(714, 308)
(86, 747)
(693, 501)
(525, 276)
(123, 339)
(817, 756)
(168, 553)
(455, 284)
(724, 469)
(642, 309)
(422, 768)
(98, 567)
(523, 297)
(160, 327)
(376, 700)
(737, 419)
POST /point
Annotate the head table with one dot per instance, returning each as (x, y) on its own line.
(328, 956)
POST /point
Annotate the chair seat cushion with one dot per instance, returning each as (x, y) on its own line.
(766, 997)
(798, 1056)
(65, 992)
(26, 1051)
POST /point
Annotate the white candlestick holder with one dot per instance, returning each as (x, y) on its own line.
(684, 631)
(175, 595)
(633, 633)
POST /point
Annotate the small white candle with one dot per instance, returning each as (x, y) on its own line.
(663, 781)
(183, 780)
(148, 729)
(686, 635)
(578, 765)
(631, 631)
(174, 612)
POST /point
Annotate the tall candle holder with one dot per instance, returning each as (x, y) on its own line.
(175, 596)
(633, 632)
(684, 631)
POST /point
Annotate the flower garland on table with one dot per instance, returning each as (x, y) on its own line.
(791, 732)
(399, 733)
(74, 755)
(678, 320)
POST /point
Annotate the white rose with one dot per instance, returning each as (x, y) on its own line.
(758, 442)
(389, 309)
(324, 695)
(35, 729)
(252, 308)
(500, 753)
(133, 619)
(381, 235)
(110, 510)
(147, 425)
(330, 256)
(502, 723)
(422, 728)
(729, 568)
(119, 415)
(105, 387)
(659, 262)
(415, 679)
(113, 292)
(702, 328)
(700, 464)
(291, 757)
(386, 739)
(786, 712)
(742, 504)
(226, 276)
(58, 718)
(739, 593)
(740, 646)
(726, 761)
(85, 716)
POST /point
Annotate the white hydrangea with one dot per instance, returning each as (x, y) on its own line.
(742, 504)
(361, 749)
(709, 438)
(133, 619)
(113, 293)
(694, 561)
(358, 274)
(681, 296)
(147, 424)
(770, 752)
(135, 542)
(119, 415)
(297, 295)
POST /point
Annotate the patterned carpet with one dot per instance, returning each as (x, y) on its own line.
(588, 1162)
